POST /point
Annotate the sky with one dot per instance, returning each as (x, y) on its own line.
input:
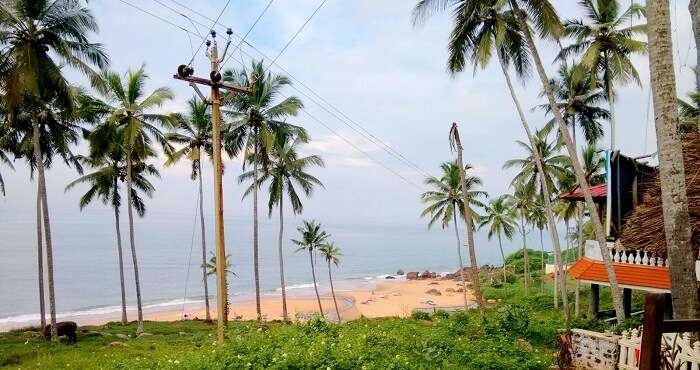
(367, 60)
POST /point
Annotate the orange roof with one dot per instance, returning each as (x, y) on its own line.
(627, 273)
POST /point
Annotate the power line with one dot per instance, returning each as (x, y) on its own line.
(347, 121)
(210, 29)
(304, 110)
(247, 33)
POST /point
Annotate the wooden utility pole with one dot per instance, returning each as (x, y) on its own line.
(185, 73)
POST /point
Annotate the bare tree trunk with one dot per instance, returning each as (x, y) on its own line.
(313, 275)
(503, 256)
(476, 284)
(578, 169)
(461, 265)
(40, 257)
(120, 252)
(684, 285)
(204, 241)
(132, 241)
(579, 244)
(256, 256)
(551, 224)
(526, 269)
(542, 262)
(694, 8)
(335, 302)
(281, 257)
(41, 181)
(611, 103)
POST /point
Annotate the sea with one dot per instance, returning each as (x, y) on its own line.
(168, 247)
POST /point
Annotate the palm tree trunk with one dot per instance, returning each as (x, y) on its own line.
(41, 181)
(281, 258)
(694, 8)
(335, 302)
(526, 263)
(503, 256)
(577, 297)
(551, 224)
(611, 102)
(132, 241)
(684, 285)
(476, 284)
(578, 170)
(256, 257)
(542, 262)
(204, 240)
(40, 258)
(120, 252)
(313, 275)
(461, 264)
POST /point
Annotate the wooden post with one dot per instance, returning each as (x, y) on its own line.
(594, 301)
(627, 301)
(650, 357)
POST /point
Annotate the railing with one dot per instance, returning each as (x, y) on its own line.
(619, 255)
(677, 349)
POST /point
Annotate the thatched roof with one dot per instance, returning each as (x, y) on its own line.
(644, 229)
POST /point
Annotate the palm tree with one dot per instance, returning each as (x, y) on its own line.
(39, 37)
(538, 218)
(194, 132)
(605, 40)
(523, 201)
(499, 215)
(210, 266)
(312, 238)
(546, 21)
(287, 172)
(104, 186)
(684, 286)
(125, 119)
(331, 253)
(485, 25)
(690, 113)
(6, 160)
(255, 116)
(446, 200)
(579, 94)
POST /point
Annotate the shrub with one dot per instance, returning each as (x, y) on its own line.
(420, 315)
(496, 284)
(511, 278)
(441, 314)
(628, 324)
(514, 319)
(540, 301)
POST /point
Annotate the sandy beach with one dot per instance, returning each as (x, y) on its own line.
(390, 298)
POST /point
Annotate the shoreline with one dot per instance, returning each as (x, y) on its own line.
(385, 298)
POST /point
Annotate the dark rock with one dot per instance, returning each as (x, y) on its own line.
(67, 328)
(412, 275)
(400, 272)
(433, 292)
(390, 277)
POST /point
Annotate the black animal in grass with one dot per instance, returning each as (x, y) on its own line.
(67, 328)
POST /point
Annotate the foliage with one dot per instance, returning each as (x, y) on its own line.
(447, 195)
(513, 318)
(515, 262)
(420, 315)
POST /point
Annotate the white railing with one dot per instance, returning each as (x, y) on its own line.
(618, 255)
(676, 348)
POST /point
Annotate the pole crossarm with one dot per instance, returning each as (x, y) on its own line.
(221, 85)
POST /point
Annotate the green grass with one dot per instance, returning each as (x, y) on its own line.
(518, 333)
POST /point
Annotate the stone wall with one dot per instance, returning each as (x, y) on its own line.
(593, 350)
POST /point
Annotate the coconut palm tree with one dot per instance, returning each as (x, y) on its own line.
(210, 266)
(312, 238)
(690, 113)
(255, 117)
(579, 95)
(684, 286)
(39, 37)
(104, 186)
(499, 216)
(538, 219)
(194, 133)
(125, 117)
(486, 27)
(331, 254)
(523, 201)
(606, 41)
(6, 160)
(287, 172)
(542, 15)
(446, 200)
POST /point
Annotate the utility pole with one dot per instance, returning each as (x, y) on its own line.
(184, 73)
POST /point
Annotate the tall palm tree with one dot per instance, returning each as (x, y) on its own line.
(255, 117)
(210, 266)
(538, 219)
(690, 113)
(579, 95)
(487, 26)
(287, 172)
(684, 285)
(499, 216)
(446, 200)
(544, 17)
(312, 238)
(606, 41)
(125, 118)
(38, 38)
(332, 254)
(523, 201)
(104, 186)
(6, 160)
(194, 133)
